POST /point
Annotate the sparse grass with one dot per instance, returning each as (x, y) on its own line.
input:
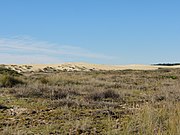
(97, 102)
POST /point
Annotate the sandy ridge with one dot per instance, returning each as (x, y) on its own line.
(79, 67)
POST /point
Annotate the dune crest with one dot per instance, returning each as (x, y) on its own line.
(80, 67)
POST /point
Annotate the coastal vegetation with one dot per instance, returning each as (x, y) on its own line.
(126, 102)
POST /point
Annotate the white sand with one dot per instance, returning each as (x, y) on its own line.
(82, 66)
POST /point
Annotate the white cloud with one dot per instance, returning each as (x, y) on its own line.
(29, 50)
(27, 59)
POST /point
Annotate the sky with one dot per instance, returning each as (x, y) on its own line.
(95, 31)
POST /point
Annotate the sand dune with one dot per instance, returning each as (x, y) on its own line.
(79, 67)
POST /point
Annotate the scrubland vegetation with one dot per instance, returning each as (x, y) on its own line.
(98, 102)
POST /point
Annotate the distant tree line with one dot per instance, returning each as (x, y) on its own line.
(166, 64)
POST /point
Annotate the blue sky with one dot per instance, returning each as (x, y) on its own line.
(94, 31)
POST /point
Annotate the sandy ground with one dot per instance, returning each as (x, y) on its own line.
(80, 67)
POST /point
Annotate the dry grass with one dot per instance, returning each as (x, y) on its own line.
(98, 102)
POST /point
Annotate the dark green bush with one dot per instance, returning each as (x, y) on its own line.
(170, 77)
(6, 71)
(9, 81)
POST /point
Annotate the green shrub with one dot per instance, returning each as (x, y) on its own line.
(44, 80)
(6, 71)
(170, 77)
(9, 81)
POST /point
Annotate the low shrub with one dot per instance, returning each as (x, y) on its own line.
(99, 95)
(59, 94)
(110, 94)
(96, 96)
(9, 81)
(44, 80)
(6, 71)
(41, 91)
